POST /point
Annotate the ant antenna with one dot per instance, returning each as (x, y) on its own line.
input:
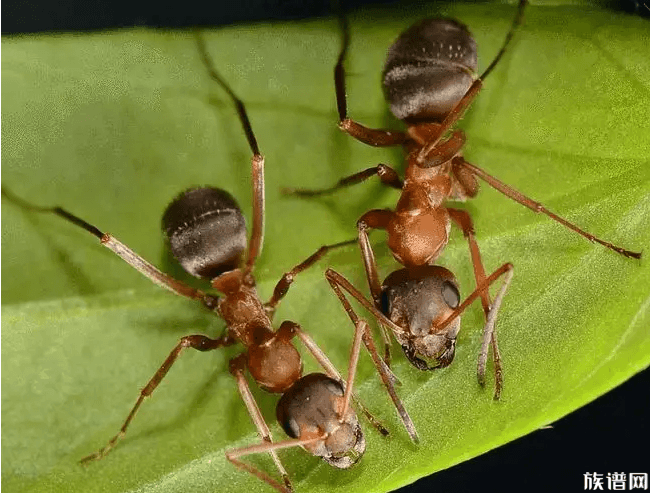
(518, 18)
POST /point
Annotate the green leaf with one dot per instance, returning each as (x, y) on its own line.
(111, 126)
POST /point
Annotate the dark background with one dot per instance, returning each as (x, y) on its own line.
(609, 435)
(28, 16)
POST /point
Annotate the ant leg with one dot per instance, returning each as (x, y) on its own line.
(121, 250)
(282, 287)
(386, 174)
(198, 342)
(489, 329)
(370, 136)
(237, 366)
(489, 334)
(257, 233)
(444, 151)
(263, 447)
(377, 137)
(257, 161)
(289, 329)
(360, 329)
(510, 192)
(464, 220)
(464, 184)
(337, 281)
(375, 219)
(459, 110)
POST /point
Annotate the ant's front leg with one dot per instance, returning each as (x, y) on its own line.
(198, 342)
(338, 282)
(464, 221)
(265, 446)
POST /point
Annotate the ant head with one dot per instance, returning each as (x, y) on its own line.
(206, 231)
(273, 361)
(311, 408)
(429, 68)
(419, 299)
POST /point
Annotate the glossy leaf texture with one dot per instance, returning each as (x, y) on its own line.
(113, 125)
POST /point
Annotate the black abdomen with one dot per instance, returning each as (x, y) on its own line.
(206, 231)
(429, 68)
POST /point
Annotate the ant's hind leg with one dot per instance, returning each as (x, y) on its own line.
(198, 342)
(121, 250)
(370, 136)
(520, 198)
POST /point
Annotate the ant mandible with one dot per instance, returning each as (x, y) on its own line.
(206, 233)
(428, 80)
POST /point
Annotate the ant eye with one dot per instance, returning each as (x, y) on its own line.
(290, 427)
(450, 294)
(385, 304)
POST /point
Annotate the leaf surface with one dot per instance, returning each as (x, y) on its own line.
(112, 126)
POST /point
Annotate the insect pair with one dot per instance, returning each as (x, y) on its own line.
(254, 229)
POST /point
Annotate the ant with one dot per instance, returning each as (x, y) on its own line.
(429, 82)
(206, 233)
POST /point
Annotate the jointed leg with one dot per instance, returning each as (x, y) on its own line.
(120, 249)
(263, 447)
(444, 151)
(257, 161)
(375, 219)
(510, 192)
(337, 281)
(488, 332)
(282, 287)
(386, 174)
(464, 220)
(237, 366)
(199, 342)
(489, 336)
(370, 136)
